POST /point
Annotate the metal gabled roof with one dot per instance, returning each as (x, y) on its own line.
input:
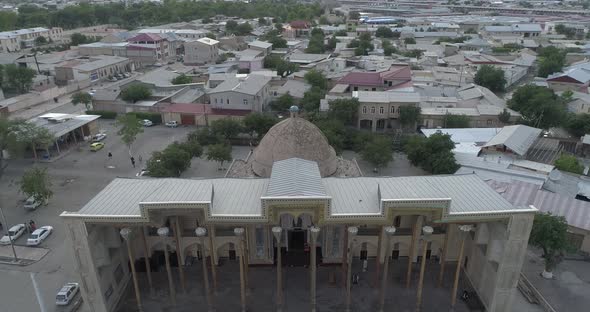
(295, 177)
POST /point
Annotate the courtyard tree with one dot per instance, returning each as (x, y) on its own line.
(129, 128)
(409, 115)
(258, 123)
(37, 184)
(311, 99)
(22, 134)
(539, 106)
(345, 110)
(569, 163)
(181, 79)
(334, 131)
(283, 102)
(82, 98)
(550, 234)
(220, 153)
(504, 116)
(40, 41)
(490, 77)
(578, 124)
(19, 79)
(227, 128)
(316, 42)
(378, 152)
(316, 79)
(170, 162)
(384, 32)
(409, 40)
(551, 60)
(136, 92)
(433, 154)
(192, 147)
(456, 121)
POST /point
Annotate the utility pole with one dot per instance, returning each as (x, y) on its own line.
(10, 237)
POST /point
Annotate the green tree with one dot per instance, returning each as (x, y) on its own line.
(316, 42)
(578, 124)
(551, 60)
(136, 92)
(244, 29)
(283, 102)
(77, 39)
(409, 115)
(378, 152)
(539, 106)
(384, 32)
(334, 131)
(181, 79)
(332, 43)
(324, 20)
(311, 99)
(204, 137)
(456, 121)
(316, 79)
(192, 147)
(409, 40)
(258, 123)
(341, 33)
(504, 116)
(549, 233)
(388, 49)
(170, 162)
(211, 35)
(19, 78)
(36, 183)
(82, 98)
(262, 21)
(219, 153)
(413, 53)
(490, 77)
(569, 163)
(227, 128)
(19, 134)
(129, 128)
(353, 15)
(40, 41)
(345, 110)
(433, 154)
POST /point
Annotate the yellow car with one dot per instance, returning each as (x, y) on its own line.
(96, 146)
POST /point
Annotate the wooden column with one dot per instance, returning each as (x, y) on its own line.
(421, 279)
(134, 275)
(378, 264)
(345, 256)
(169, 273)
(213, 256)
(411, 254)
(147, 254)
(458, 269)
(176, 227)
(242, 275)
(443, 258)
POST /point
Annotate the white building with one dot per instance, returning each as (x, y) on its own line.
(12, 41)
(201, 51)
(243, 92)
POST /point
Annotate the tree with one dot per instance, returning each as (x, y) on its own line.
(384, 32)
(569, 163)
(549, 233)
(244, 29)
(413, 53)
(219, 153)
(258, 123)
(283, 102)
(456, 121)
(181, 79)
(354, 15)
(78, 39)
(324, 20)
(170, 162)
(226, 127)
(82, 98)
(345, 110)
(40, 41)
(129, 128)
(433, 154)
(551, 60)
(388, 49)
(341, 33)
(316, 79)
(316, 42)
(409, 115)
(262, 21)
(37, 184)
(211, 35)
(409, 40)
(539, 106)
(578, 124)
(490, 77)
(192, 147)
(17, 135)
(334, 131)
(136, 92)
(378, 152)
(332, 43)
(204, 137)
(311, 99)
(19, 78)
(504, 116)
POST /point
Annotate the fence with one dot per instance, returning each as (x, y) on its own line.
(34, 98)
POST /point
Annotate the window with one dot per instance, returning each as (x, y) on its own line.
(245, 101)
(364, 109)
(381, 110)
(374, 89)
(227, 101)
(392, 109)
(384, 82)
(373, 110)
(215, 100)
(355, 89)
(259, 236)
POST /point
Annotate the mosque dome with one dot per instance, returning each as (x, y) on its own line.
(294, 137)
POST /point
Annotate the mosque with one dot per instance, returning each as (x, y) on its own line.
(294, 194)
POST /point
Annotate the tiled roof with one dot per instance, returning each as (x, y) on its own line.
(395, 72)
(145, 37)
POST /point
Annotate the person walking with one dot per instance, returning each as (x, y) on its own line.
(110, 155)
(140, 159)
(133, 161)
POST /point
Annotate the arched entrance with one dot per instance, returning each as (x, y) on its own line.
(296, 239)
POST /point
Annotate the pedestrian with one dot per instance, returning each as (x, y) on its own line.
(27, 227)
(133, 161)
(140, 159)
(110, 155)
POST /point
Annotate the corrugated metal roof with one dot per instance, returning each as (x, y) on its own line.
(295, 177)
(518, 138)
(238, 197)
(353, 196)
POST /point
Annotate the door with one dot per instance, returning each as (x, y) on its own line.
(187, 119)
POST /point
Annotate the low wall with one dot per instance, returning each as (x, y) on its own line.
(34, 98)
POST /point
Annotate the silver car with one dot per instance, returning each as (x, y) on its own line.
(13, 233)
(39, 235)
(67, 293)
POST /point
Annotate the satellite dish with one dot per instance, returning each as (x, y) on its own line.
(555, 175)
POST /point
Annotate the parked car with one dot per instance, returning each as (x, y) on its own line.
(14, 232)
(96, 146)
(67, 293)
(31, 203)
(147, 123)
(99, 137)
(39, 235)
(172, 124)
(127, 75)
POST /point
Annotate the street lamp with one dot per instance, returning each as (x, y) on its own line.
(426, 236)
(352, 231)
(389, 231)
(8, 234)
(163, 233)
(315, 231)
(239, 232)
(276, 232)
(201, 232)
(126, 234)
(466, 228)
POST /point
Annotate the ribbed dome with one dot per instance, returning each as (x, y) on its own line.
(294, 137)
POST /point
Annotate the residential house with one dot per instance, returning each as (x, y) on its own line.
(152, 47)
(15, 40)
(250, 60)
(521, 30)
(297, 29)
(263, 46)
(397, 76)
(96, 68)
(201, 51)
(379, 110)
(243, 92)
(574, 78)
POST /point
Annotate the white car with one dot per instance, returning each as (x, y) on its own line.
(31, 203)
(67, 293)
(147, 123)
(172, 124)
(15, 232)
(99, 137)
(39, 235)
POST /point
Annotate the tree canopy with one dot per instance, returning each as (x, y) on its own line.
(409, 115)
(226, 127)
(36, 183)
(345, 110)
(283, 102)
(136, 92)
(504, 116)
(17, 78)
(173, 160)
(378, 151)
(490, 77)
(316, 79)
(551, 60)
(129, 128)
(82, 98)
(550, 234)
(456, 121)
(539, 106)
(316, 42)
(385, 32)
(258, 123)
(433, 154)
(578, 124)
(181, 79)
(219, 153)
(569, 163)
